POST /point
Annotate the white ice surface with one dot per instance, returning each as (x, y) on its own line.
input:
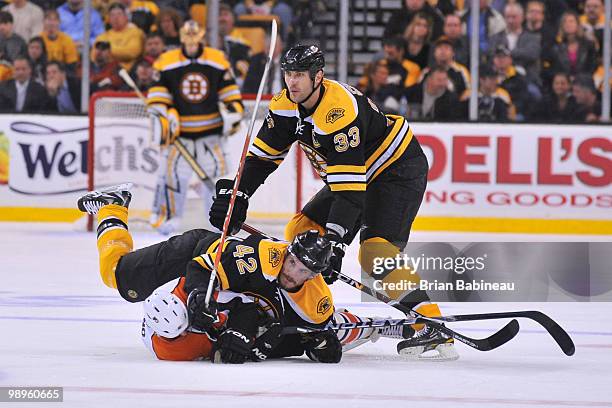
(60, 326)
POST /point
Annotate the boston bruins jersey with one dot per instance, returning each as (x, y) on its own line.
(194, 86)
(347, 139)
(250, 266)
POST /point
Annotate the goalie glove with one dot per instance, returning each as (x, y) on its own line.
(165, 122)
(231, 118)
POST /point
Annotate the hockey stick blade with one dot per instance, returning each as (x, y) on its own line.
(553, 328)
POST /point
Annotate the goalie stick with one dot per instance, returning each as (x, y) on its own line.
(553, 328)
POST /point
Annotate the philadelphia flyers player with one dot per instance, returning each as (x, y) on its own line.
(196, 99)
(373, 167)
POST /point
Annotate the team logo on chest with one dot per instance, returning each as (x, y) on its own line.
(333, 115)
(275, 257)
(323, 305)
(194, 87)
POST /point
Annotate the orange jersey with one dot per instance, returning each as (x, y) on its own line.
(189, 345)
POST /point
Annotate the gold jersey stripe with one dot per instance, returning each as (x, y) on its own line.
(261, 145)
(396, 155)
(388, 140)
(345, 168)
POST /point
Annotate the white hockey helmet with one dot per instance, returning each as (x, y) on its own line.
(165, 314)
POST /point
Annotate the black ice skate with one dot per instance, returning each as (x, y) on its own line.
(91, 202)
(428, 344)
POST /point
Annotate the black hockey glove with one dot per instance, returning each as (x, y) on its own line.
(335, 263)
(323, 347)
(266, 343)
(233, 347)
(201, 317)
(220, 205)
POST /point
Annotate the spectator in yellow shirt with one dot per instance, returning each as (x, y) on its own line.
(125, 38)
(59, 45)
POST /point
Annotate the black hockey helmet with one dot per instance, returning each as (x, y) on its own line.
(313, 250)
(303, 58)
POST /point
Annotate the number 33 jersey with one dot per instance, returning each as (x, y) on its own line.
(347, 139)
(250, 266)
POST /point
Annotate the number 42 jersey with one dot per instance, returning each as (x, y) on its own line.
(250, 266)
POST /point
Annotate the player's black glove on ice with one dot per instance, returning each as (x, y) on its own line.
(220, 205)
(335, 263)
(266, 343)
(233, 347)
(201, 317)
(323, 347)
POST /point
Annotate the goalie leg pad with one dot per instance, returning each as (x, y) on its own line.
(171, 189)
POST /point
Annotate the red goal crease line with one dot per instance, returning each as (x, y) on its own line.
(422, 223)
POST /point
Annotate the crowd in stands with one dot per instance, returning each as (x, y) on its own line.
(540, 60)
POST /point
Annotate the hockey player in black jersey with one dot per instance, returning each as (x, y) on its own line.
(259, 282)
(196, 99)
(373, 167)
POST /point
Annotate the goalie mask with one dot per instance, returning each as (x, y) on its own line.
(165, 314)
(191, 33)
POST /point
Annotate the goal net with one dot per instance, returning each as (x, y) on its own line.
(121, 150)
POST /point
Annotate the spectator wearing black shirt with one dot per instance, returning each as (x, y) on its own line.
(37, 53)
(387, 96)
(593, 22)
(558, 105)
(169, 23)
(417, 37)
(400, 20)
(512, 79)
(588, 107)
(494, 103)
(22, 94)
(459, 76)
(432, 100)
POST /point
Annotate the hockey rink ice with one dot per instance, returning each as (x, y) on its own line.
(60, 326)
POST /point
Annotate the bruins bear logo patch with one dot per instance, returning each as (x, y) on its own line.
(275, 256)
(324, 305)
(334, 114)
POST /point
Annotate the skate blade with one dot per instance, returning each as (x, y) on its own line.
(442, 352)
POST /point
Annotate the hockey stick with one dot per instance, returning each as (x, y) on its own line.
(497, 339)
(553, 328)
(245, 148)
